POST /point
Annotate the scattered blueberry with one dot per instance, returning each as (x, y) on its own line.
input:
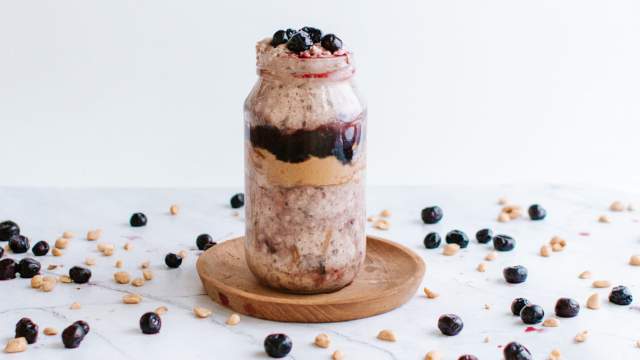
(150, 323)
(431, 215)
(73, 335)
(299, 42)
(567, 308)
(8, 269)
(277, 345)
(83, 325)
(314, 33)
(450, 324)
(27, 329)
(204, 241)
(516, 351)
(41, 248)
(237, 201)
(457, 237)
(8, 229)
(19, 244)
(279, 37)
(532, 314)
(515, 274)
(79, 275)
(537, 212)
(468, 357)
(621, 295)
(432, 240)
(331, 42)
(484, 236)
(28, 268)
(172, 260)
(138, 219)
(503, 242)
(517, 305)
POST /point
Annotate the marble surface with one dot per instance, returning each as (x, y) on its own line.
(601, 248)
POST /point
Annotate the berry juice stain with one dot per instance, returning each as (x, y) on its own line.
(529, 329)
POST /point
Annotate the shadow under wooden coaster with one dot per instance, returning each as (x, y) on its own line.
(389, 277)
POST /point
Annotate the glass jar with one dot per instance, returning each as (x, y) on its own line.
(304, 172)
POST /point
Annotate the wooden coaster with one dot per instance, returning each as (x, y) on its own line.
(389, 278)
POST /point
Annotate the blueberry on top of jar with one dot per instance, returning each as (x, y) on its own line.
(172, 260)
(468, 357)
(457, 237)
(515, 274)
(532, 314)
(19, 244)
(450, 324)
(79, 275)
(41, 248)
(567, 308)
(431, 215)
(331, 42)
(8, 229)
(432, 240)
(503, 242)
(277, 345)
(516, 351)
(279, 37)
(150, 323)
(484, 236)
(28, 268)
(299, 42)
(138, 219)
(537, 212)
(517, 304)
(621, 295)
(27, 329)
(314, 33)
(1, 252)
(8, 269)
(237, 201)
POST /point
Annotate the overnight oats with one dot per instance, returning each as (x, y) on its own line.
(304, 164)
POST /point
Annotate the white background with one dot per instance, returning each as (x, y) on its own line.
(149, 93)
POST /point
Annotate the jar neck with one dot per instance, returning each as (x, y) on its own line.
(335, 68)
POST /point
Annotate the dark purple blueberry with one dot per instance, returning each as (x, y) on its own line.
(237, 201)
(73, 335)
(314, 33)
(484, 236)
(537, 212)
(202, 240)
(515, 274)
(432, 240)
(431, 215)
(279, 37)
(28, 268)
(27, 329)
(277, 345)
(291, 32)
(457, 237)
(8, 229)
(504, 242)
(1, 252)
(79, 275)
(150, 323)
(567, 308)
(468, 357)
(138, 219)
(19, 244)
(621, 295)
(516, 351)
(83, 324)
(299, 42)
(172, 260)
(41, 248)
(517, 305)
(331, 42)
(8, 269)
(532, 314)
(450, 324)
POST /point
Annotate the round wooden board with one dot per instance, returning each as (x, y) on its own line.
(389, 278)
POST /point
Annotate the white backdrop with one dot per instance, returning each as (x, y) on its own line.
(149, 92)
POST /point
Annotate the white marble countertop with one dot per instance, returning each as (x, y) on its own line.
(44, 214)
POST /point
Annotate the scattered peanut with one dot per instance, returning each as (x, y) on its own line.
(36, 281)
(182, 254)
(430, 294)
(551, 322)
(119, 264)
(61, 243)
(322, 341)
(482, 267)
(387, 335)
(137, 282)
(337, 355)
(492, 255)
(68, 235)
(49, 331)
(545, 251)
(604, 219)
(147, 274)
(617, 206)
(600, 284)
(593, 302)
(131, 299)
(65, 279)
(16, 345)
(503, 201)
(89, 261)
(75, 306)
(450, 249)
(202, 312)
(385, 213)
(233, 319)
(371, 218)
(635, 260)
(93, 235)
(582, 336)
(52, 267)
(56, 252)
(381, 224)
(145, 265)
(513, 211)
(433, 355)
(48, 283)
(161, 310)
(128, 247)
(504, 217)
(555, 355)
(121, 277)
(585, 275)
(174, 209)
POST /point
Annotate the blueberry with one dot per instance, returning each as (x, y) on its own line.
(172, 260)
(279, 37)
(431, 215)
(314, 33)
(468, 357)
(567, 308)
(19, 244)
(237, 201)
(331, 42)
(73, 335)
(28, 268)
(432, 240)
(532, 314)
(8, 269)
(450, 324)
(291, 32)
(41, 248)
(27, 329)
(299, 42)
(150, 323)
(515, 274)
(83, 325)
(138, 219)
(277, 345)
(484, 236)
(621, 295)
(504, 242)
(8, 229)
(537, 212)
(457, 237)
(516, 351)
(1, 252)
(517, 305)
(204, 241)
(79, 275)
